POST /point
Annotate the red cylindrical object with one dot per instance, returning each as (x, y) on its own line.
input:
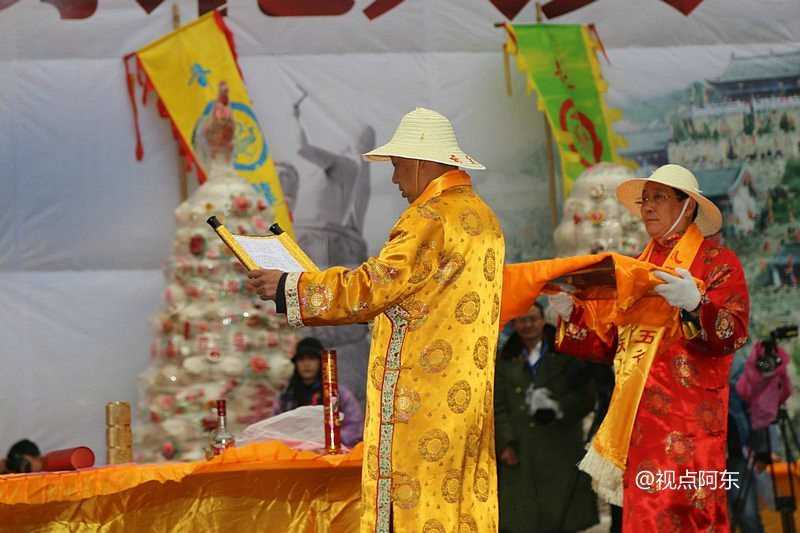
(68, 459)
(330, 402)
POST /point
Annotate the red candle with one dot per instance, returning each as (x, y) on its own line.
(68, 459)
(330, 402)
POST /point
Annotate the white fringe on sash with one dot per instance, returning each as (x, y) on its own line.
(606, 476)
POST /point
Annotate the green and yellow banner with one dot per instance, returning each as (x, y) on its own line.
(185, 69)
(561, 66)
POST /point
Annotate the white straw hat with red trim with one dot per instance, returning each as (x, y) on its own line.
(426, 135)
(709, 217)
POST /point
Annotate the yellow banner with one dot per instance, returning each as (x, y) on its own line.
(185, 69)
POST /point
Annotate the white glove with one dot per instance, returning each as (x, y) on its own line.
(562, 304)
(541, 398)
(679, 292)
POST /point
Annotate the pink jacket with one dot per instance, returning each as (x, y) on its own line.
(765, 394)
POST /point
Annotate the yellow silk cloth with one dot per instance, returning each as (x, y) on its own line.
(606, 458)
(245, 489)
(623, 304)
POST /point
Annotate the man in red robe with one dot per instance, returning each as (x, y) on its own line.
(662, 451)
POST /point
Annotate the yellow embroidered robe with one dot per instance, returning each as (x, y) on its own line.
(434, 295)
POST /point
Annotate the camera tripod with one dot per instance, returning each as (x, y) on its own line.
(784, 504)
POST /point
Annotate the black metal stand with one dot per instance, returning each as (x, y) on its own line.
(784, 504)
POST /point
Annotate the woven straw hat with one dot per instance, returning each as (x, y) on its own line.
(709, 218)
(426, 135)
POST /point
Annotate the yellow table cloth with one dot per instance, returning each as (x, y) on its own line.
(259, 487)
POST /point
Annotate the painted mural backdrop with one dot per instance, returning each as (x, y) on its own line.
(736, 125)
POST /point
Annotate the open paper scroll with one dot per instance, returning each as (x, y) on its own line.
(278, 252)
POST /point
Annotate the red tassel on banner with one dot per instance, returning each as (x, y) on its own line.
(593, 29)
(147, 86)
(144, 81)
(131, 93)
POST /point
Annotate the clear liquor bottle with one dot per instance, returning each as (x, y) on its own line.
(221, 438)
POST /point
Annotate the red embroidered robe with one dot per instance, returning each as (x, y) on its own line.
(679, 434)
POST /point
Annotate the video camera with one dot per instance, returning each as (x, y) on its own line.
(770, 361)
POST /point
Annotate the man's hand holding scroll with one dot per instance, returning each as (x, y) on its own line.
(264, 282)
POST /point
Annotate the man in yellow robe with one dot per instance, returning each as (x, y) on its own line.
(434, 295)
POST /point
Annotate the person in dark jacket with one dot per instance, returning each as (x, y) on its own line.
(539, 414)
(305, 388)
(742, 497)
(23, 457)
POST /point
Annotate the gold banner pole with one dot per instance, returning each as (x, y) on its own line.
(551, 164)
(176, 23)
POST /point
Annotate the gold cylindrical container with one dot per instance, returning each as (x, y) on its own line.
(116, 456)
(118, 436)
(118, 413)
(118, 433)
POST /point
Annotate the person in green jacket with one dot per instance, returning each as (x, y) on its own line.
(541, 399)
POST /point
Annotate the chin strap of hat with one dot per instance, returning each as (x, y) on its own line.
(416, 181)
(683, 212)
